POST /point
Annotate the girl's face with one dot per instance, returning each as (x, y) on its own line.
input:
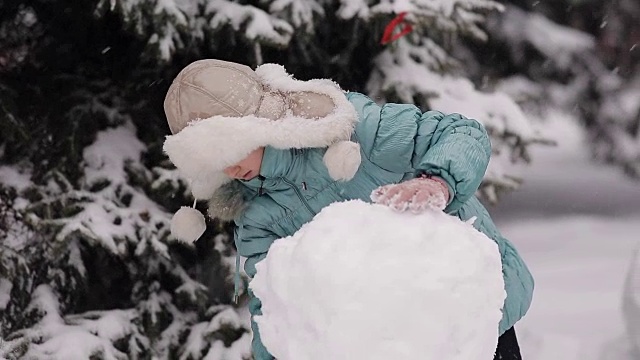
(247, 168)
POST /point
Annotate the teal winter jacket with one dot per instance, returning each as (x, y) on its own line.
(398, 142)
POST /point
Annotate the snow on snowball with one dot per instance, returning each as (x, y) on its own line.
(361, 281)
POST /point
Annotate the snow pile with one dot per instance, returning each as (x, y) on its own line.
(105, 159)
(73, 337)
(631, 302)
(361, 281)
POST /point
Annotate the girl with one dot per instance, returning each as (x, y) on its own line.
(269, 152)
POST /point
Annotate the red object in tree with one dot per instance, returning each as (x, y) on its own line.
(397, 23)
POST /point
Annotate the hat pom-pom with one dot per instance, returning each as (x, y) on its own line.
(188, 224)
(342, 159)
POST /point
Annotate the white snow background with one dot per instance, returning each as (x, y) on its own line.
(577, 225)
(361, 281)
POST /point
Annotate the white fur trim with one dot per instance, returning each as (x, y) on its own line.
(188, 224)
(276, 77)
(342, 159)
(202, 150)
(207, 182)
(227, 203)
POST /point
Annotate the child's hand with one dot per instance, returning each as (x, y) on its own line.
(415, 195)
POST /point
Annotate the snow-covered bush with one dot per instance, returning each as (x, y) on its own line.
(89, 270)
(585, 64)
(361, 281)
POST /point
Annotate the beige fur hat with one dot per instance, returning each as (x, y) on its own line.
(219, 112)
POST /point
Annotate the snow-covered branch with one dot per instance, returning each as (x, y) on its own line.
(255, 24)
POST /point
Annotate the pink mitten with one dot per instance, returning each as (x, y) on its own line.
(416, 195)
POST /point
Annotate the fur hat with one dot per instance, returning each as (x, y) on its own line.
(219, 112)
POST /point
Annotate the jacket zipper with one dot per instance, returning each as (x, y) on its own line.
(295, 188)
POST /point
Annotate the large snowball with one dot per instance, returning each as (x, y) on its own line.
(361, 281)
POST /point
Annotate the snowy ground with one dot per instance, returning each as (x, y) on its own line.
(576, 224)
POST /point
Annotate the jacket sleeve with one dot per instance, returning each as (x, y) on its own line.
(455, 148)
(400, 138)
(253, 242)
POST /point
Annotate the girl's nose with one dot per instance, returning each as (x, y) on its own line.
(231, 171)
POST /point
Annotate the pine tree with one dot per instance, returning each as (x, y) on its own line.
(613, 120)
(87, 193)
(87, 200)
(578, 57)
